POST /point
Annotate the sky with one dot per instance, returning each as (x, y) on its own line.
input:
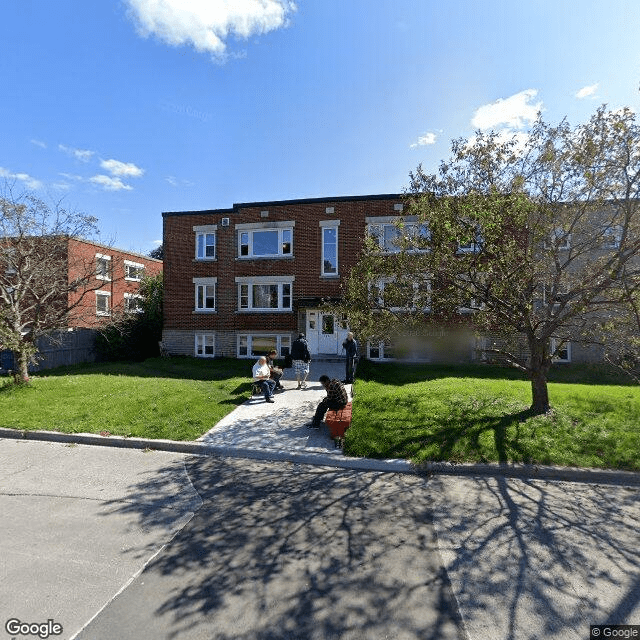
(123, 109)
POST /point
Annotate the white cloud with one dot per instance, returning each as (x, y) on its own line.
(206, 24)
(110, 184)
(516, 111)
(39, 143)
(117, 168)
(84, 155)
(588, 91)
(30, 183)
(426, 139)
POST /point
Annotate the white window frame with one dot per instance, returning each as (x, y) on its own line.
(202, 231)
(555, 235)
(378, 346)
(127, 301)
(376, 229)
(245, 293)
(252, 228)
(567, 347)
(138, 271)
(380, 285)
(282, 340)
(612, 237)
(201, 341)
(201, 285)
(332, 225)
(107, 296)
(107, 261)
(475, 245)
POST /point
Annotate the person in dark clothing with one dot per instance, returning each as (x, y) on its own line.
(350, 347)
(300, 359)
(276, 372)
(337, 398)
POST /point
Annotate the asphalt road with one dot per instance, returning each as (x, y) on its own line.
(114, 543)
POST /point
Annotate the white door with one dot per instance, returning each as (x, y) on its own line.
(328, 337)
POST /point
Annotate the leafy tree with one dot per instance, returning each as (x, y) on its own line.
(538, 238)
(135, 336)
(157, 253)
(41, 285)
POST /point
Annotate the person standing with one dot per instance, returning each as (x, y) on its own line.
(337, 398)
(300, 359)
(350, 347)
(262, 375)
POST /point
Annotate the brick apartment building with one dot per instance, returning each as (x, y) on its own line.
(112, 285)
(243, 280)
(116, 276)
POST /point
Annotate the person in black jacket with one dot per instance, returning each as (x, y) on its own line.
(350, 347)
(301, 358)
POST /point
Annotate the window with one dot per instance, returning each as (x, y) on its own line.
(264, 294)
(380, 350)
(133, 303)
(205, 241)
(265, 242)
(472, 244)
(558, 239)
(612, 237)
(205, 294)
(205, 246)
(133, 271)
(560, 350)
(103, 303)
(329, 249)
(390, 236)
(205, 345)
(403, 296)
(254, 346)
(103, 267)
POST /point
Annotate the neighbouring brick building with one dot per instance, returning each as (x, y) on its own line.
(242, 280)
(116, 276)
(112, 285)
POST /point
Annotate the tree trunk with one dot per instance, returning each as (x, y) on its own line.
(539, 368)
(22, 361)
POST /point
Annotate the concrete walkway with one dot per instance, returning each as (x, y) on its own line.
(281, 426)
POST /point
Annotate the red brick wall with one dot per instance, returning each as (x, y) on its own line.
(181, 267)
(82, 259)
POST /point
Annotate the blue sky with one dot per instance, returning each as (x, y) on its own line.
(127, 108)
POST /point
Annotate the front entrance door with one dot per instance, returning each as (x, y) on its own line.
(325, 333)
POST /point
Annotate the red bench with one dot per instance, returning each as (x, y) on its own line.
(338, 422)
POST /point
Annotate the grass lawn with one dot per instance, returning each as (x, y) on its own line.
(479, 414)
(164, 398)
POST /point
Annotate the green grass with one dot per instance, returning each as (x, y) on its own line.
(480, 414)
(421, 412)
(176, 398)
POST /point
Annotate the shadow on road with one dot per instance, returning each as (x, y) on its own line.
(286, 551)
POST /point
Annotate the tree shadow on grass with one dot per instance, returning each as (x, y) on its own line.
(286, 551)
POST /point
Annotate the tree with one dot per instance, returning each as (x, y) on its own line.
(40, 284)
(135, 336)
(157, 253)
(538, 238)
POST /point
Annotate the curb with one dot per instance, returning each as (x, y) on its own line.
(522, 471)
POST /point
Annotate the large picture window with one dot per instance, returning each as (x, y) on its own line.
(265, 242)
(264, 295)
(254, 346)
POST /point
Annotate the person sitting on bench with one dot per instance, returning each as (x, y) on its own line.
(337, 398)
(261, 376)
(276, 372)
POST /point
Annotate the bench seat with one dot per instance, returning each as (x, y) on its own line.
(338, 421)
